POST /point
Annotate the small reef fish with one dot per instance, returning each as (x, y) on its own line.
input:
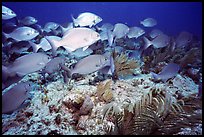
(22, 34)
(14, 98)
(7, 13)
(135, 32)
(74, 39)
(90, 64)
(159, 42)
(28, 20)
(148, 22)
(86, 19)
(167, 72)
(26, 64)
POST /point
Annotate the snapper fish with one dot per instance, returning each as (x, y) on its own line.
(44, 44)
(7, 13)
(135, 32)
(183, 39)
(159, 42)
(86, 19)
(22, 34)
(90, 64)
(28, 20)
(154, 33)
(26, 64)
(50, 26)
(120, 30)
(148, 22)
(167, 72)
(106, 26)
(74, 39)
(15, 97)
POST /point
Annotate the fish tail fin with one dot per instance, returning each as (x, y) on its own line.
(74, 20)
(35, 47)
(6, 35)
(154, 75)
(147, 43)
(54, 44)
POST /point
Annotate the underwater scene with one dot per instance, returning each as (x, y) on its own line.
(101, 68)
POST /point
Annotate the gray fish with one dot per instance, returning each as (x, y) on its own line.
(28, 21)
(7, 13)
(148, 22)
(86, 19)
(120, 30)
(23, 34)
(159, 42)
(110, 38)
(90, 64)
(167, 72)
(103, 35)
(44, 44)
(183, 39)
(27, 64)
(54, 64)
(50, 26)
(79, 53)
(154, 33)
(106, 26)
(135, 32)
(9, 27)
(67, 28)
(74, 39)
(14, 98)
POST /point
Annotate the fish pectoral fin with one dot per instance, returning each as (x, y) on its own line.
(84, 48)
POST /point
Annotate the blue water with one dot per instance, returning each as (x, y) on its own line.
(172, 17)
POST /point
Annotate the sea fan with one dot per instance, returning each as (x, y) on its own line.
(104, 91)
(147, 114)
(124, 65)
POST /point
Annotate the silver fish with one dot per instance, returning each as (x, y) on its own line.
(7, 13)
(148, 22)
(50, 26)
(106, 26)
(79, 53)
(27, 64)
(74, 39)
(44, 44)
(183, 39)
(91, 64)
(159, 42)
(120, 30)
(135, 32)
(167, 72)
(28, 20)
(67, 28)
(14, 98)
(154, 33)
(22, 34)
(86, 19)
(54, 64)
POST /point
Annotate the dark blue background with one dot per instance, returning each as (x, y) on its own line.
(172, 17)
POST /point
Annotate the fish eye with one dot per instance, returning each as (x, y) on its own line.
(106, 59)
